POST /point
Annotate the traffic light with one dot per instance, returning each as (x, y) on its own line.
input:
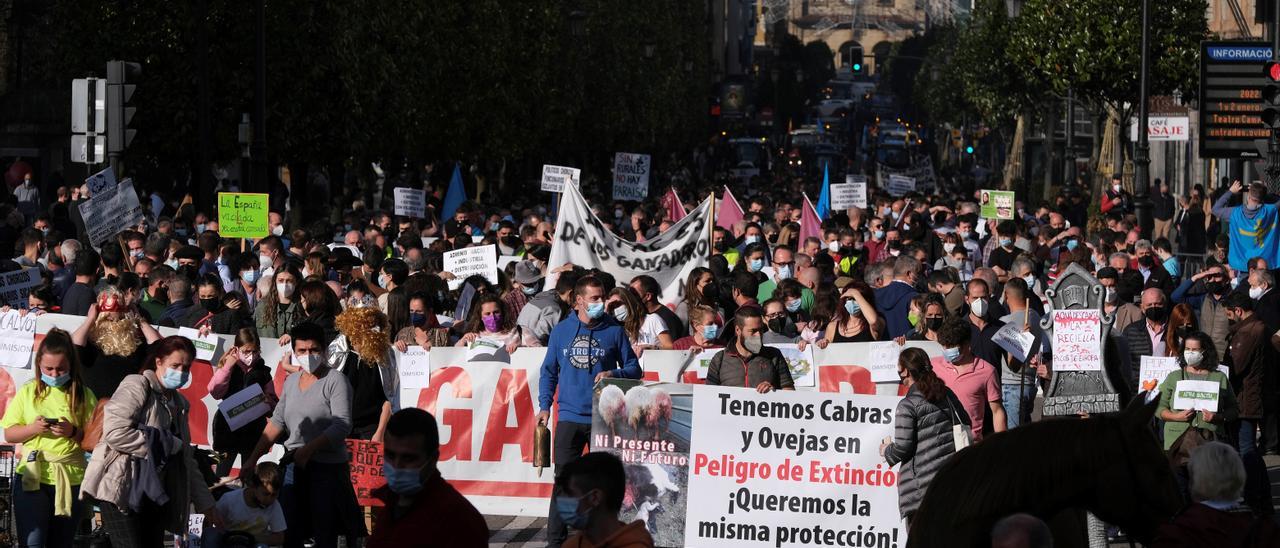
(968, 149)
(119, 112)
(1271, 96)
(855, 58)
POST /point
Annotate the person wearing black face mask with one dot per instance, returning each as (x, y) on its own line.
(1206, 292)
(1146, 338)
(926, 329)
(423, 329)
(213, 313)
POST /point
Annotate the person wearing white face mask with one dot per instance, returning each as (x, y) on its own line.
(1266, 300)
(1199, 361)
(240, 367)
(279, 310)
(748, 362)
(314, 414)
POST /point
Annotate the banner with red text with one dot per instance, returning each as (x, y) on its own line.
(791, 469)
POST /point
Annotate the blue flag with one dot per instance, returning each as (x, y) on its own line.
(1254, 237)
(454, 196)
(824, 198)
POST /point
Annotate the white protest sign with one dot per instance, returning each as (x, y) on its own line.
(800, 363)
(747, 447)
(195, 530)
(17, 339)
(206, 347)
(1077, 340)
(853, 193)
(486, 349)
(244, 406)
(554, 177)
(101, 181)
(411, 202)
(111, 211)
(1014, 340)
(883, 361)
(471, 261)
(1198, 395)
(16, 285)
(415, 368)
(900, 184)
(631, 176)
(1153, 370)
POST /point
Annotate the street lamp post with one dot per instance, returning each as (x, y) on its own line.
(1141, 158)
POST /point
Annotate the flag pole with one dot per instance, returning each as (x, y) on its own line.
(711, 233)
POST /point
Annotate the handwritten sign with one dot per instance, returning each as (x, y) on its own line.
(555, 177)
(17, 339)
(883, 361)
(415, 368)
(1077, 340)
(243, 215)
(244, 406)
(16, 286)
(631, 176)
(1198, 395)
(411, 202)
(206, 347)
(471, 261)
(366, 470)
(900, 184)
(1152, 371)
(1014, 340)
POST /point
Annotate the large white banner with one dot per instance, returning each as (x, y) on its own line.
(791, 469)
(583, 240)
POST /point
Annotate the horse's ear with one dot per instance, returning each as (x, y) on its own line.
(1141, 409)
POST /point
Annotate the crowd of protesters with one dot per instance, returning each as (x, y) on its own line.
(342, 293)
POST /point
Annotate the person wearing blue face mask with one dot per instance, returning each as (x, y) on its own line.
(1001, 258)
(784, 266)
(973, 380)
(585, 348)
(153, 395)
(419, 507)
(591, 492)
(47, 416)
(704, 330)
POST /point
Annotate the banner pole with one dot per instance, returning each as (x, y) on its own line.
(711, 233)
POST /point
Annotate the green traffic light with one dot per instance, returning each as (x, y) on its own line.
(857, 67)
(968, 150)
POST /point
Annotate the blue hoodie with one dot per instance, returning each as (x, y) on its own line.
(894, 301)
(576, 352)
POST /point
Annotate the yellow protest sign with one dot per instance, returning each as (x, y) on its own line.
(242, 215)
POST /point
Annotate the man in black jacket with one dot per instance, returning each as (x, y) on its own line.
(1146, 338)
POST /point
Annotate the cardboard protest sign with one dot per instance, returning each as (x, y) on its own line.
(16, 286)
(410, 202)
(366, 470)
(1198, 395)
(631, 176)
(17, 339)
(555, 177)
(471, 261)
(817, 449)
(244, 406)
(414, 365)
(111, 211)
(996, 204)
(900, 184)
(1077, 340)
(243, 215)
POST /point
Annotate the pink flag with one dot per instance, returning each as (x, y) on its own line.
(810, 226)
(675, 208)
(729, 211)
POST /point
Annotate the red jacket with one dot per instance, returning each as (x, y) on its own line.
(439, 516)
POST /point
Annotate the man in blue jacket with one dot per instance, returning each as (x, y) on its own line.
(584, 348)
(893, 301)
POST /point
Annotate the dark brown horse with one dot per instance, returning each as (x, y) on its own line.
(1111, 466)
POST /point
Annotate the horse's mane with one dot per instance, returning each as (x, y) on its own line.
(1018, 471)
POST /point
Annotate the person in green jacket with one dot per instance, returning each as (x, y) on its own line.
(1199, 362)
(280, 310)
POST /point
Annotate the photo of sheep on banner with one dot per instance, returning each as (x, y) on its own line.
(648, 426)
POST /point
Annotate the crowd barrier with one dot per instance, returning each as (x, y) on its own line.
(487, 410)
